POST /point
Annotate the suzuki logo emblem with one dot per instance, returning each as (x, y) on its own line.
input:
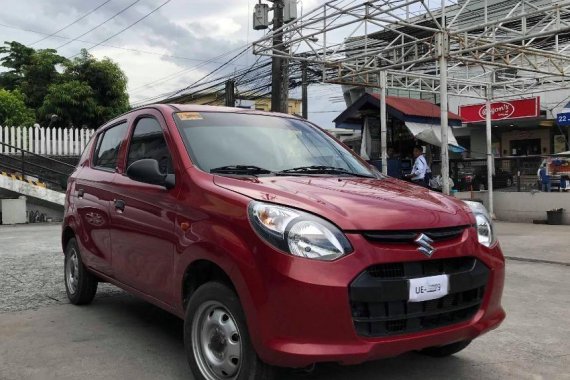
(425, 245)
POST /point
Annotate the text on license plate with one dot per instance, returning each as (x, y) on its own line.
(428, 288)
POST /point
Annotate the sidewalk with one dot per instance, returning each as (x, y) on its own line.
(534, 241)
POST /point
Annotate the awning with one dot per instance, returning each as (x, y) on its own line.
(431, 134)
(405, 109)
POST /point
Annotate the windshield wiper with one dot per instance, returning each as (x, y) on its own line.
(240, 169)
(319, 169)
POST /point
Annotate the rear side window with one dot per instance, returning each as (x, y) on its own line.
(108, 147)
(148, 142)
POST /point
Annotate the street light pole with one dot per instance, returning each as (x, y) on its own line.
(442, 46)
(383, 124)
(490, 161)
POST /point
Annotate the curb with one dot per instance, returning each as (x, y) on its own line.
(20, 178)
(539, 261)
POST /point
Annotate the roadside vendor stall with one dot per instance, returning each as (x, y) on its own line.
(558, 169)
(409, 121)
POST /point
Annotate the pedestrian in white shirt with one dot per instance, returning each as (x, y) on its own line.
(420, 171)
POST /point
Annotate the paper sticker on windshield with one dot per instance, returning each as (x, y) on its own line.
(189, 116)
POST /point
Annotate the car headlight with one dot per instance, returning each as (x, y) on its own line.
(484, 224)
(298, 233)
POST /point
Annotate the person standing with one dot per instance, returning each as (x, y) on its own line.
(544, 178)
(420, 171)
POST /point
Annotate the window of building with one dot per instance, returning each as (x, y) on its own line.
(148, 142)
(108, 147)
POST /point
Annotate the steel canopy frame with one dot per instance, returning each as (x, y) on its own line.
(468, 48)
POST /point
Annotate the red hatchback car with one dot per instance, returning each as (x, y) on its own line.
(276, 244)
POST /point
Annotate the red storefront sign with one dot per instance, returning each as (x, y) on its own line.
(507, 110)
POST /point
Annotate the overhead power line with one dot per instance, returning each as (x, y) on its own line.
(211, 72)
(99, 25)
(70, 24)
(190, 69)
(127, 27)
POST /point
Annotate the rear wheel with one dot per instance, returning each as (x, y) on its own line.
(447, 350)
(216, 337)
(80, 284)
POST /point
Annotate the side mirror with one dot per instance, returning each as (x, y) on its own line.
(147, 171)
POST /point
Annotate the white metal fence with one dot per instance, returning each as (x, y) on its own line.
(48, 141)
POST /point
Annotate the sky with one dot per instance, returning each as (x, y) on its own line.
(164, 52)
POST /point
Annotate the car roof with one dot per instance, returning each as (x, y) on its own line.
(206, 108)
(168, 108)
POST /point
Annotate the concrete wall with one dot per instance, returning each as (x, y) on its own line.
(13, 210)
(523, 207)
(478, 143)
(34, 210)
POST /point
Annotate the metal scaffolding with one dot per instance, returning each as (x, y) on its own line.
(484, 49)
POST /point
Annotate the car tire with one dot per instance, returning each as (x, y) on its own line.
(447, 350)
(80, 284)
(216, 337)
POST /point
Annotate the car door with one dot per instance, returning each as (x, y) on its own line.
(93, 196)
(143, 215)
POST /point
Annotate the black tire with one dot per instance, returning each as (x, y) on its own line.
(208, 301)
(447, 350)
(81, 290)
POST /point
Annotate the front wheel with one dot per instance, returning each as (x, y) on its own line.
(80, 284)
(216, 337)
(447, 350)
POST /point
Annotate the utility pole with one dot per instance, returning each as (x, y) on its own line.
(230, 100)
(279, 67)
(304, 88)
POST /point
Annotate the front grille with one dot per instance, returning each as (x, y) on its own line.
(408, 236)
(379, 296)
(423, 268)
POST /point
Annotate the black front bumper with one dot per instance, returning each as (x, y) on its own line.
(379, 296)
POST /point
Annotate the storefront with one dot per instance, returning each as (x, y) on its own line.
(519, 128)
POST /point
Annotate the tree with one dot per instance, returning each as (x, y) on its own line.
(16, 57)
(108, 81)
(13, 110)
(84, 91)
(32, 71)
(73, 101)
(39, 74)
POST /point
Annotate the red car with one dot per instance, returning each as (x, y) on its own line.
(276, 244)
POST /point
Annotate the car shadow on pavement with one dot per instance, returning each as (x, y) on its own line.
(151, 325)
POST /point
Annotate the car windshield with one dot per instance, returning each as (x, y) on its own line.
(234, 143)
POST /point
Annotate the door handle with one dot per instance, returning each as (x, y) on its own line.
(80, 193)
(119, 205)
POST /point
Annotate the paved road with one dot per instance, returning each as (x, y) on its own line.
(119, 336)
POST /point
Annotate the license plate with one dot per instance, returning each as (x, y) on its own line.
(428, 288)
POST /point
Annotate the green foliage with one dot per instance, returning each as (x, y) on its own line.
(108, 81)
(84, 91)
(13, 110)
(16, 57)
(73, 101)
(39, 74)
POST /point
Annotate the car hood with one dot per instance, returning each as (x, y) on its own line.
(356, 203)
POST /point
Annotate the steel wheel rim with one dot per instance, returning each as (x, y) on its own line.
(72, 271)
(216, 342)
